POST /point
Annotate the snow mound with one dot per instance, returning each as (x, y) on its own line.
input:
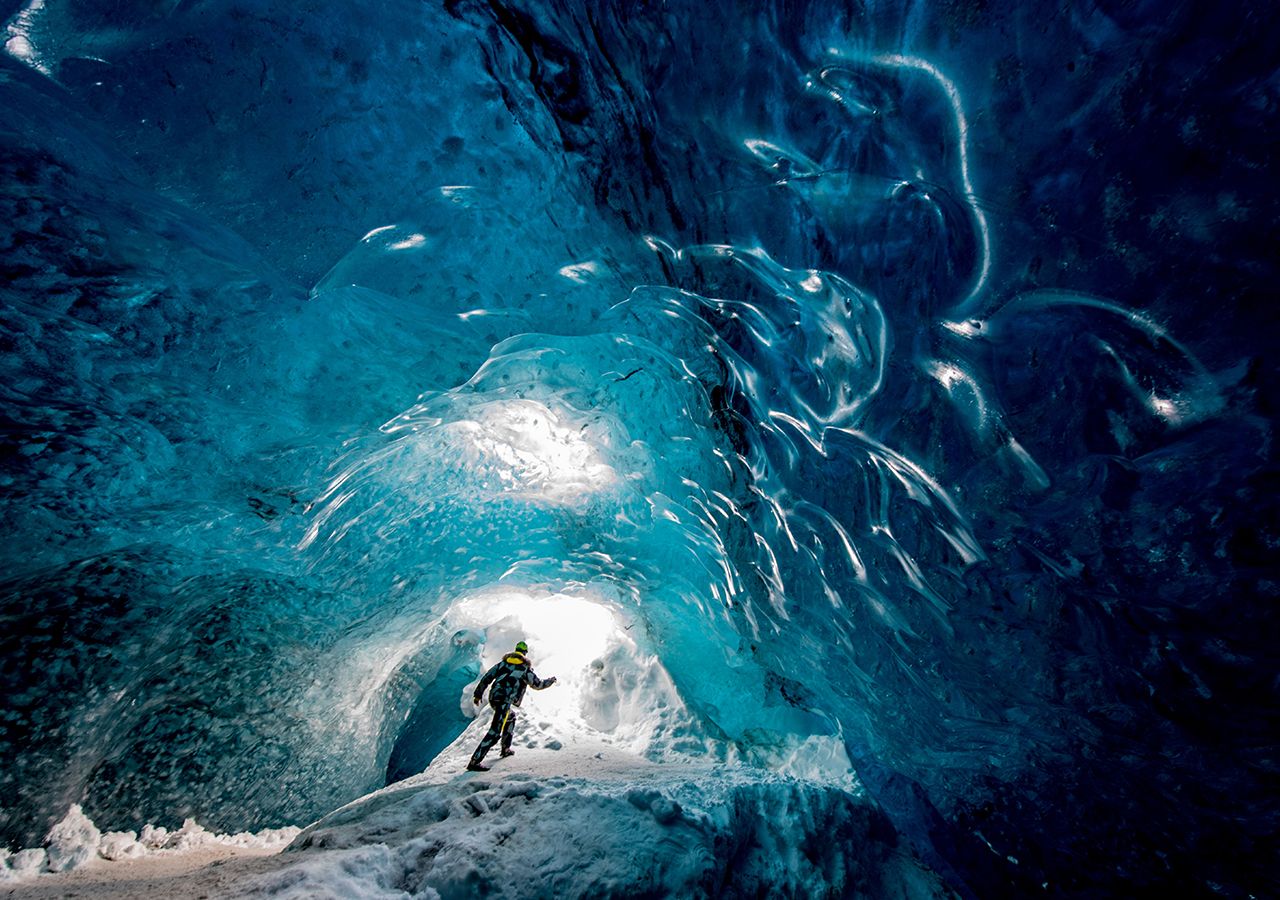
(618, 826)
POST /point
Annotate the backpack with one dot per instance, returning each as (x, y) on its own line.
(509, 686)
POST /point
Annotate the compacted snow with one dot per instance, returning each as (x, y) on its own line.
(570, 815)
(578, 818)
(80, 860)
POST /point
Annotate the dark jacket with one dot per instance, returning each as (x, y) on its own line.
(509, 677)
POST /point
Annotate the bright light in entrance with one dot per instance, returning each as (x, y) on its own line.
(565, 634)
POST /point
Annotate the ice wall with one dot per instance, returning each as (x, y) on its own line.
(897, 376)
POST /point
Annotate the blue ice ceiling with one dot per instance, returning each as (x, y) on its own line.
(902, 374)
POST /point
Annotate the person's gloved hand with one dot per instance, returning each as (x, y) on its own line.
(550, 681)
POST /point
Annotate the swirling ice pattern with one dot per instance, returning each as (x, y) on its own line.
(752, 391)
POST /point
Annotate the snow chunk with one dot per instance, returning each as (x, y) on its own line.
(73, 841)
(27, 863)
(116, 845)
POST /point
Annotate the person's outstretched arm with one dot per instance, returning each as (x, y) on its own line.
(539, 683)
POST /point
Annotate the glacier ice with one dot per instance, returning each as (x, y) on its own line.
(877, 397)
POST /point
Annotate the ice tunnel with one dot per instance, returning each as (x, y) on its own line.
(864, 410)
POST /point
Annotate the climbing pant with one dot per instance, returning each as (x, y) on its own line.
(503, 726)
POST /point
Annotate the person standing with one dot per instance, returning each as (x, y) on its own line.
(509, 677)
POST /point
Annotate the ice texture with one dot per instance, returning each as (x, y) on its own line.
(818, 387)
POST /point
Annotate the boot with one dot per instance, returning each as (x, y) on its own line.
(507, 751)
(476, 759)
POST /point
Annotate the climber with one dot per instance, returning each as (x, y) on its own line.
(509, 677)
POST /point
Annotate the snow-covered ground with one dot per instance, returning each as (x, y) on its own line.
(615, 790)
(591, 820)
(79, 860)
(570, 815)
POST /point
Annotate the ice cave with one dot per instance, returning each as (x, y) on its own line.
(864, 410)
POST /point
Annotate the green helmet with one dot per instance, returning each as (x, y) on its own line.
(522, 647)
